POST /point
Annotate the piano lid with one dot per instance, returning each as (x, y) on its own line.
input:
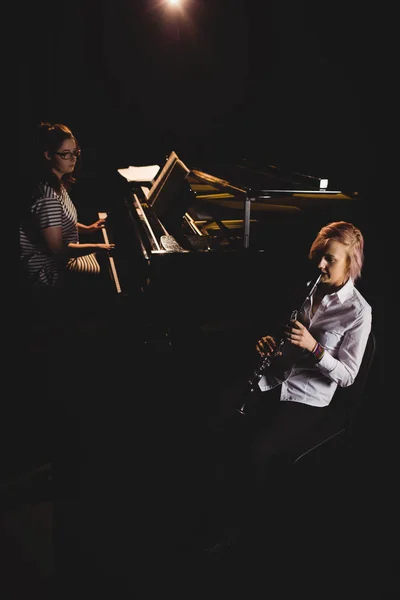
(197, 210)
(190, 221)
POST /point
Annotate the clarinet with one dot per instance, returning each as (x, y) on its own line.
(267, 360)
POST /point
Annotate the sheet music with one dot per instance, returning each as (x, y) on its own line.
(145, 173)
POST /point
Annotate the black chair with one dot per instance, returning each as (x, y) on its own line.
(336, 431)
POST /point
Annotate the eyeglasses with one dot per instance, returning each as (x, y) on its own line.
(69, 155)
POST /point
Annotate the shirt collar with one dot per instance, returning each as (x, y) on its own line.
(345, 292)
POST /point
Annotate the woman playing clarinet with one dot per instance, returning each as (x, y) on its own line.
(323, 348)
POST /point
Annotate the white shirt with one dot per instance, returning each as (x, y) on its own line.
(341, 324)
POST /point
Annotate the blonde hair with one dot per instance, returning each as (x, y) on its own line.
(348, 235)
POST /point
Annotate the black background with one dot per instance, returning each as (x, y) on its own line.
(302, 85)
(299, 85)
(289, 83)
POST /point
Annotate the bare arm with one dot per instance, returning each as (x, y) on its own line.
(53, 238)
(54, 241)
(91, 228)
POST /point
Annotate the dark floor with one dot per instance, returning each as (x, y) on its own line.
(327, 538)
(126, 488)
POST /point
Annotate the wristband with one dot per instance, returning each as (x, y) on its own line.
(318, 352)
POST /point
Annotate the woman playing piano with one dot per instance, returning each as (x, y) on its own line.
(51, 254)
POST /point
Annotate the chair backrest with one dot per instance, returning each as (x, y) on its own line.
(344, 406)
(352, 396)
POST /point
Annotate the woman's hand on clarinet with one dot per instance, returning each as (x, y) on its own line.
(298, 335)
(266, 346)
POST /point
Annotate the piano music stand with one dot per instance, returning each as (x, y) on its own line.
(167, 185)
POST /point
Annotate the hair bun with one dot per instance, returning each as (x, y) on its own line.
(46, 125)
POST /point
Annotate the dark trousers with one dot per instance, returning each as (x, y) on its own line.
(251, 455)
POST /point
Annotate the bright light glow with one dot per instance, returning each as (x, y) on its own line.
(177, 16)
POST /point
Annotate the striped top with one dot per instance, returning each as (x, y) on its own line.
(49, 209)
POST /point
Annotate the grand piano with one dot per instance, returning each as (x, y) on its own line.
(210, 257)
(217, 241)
